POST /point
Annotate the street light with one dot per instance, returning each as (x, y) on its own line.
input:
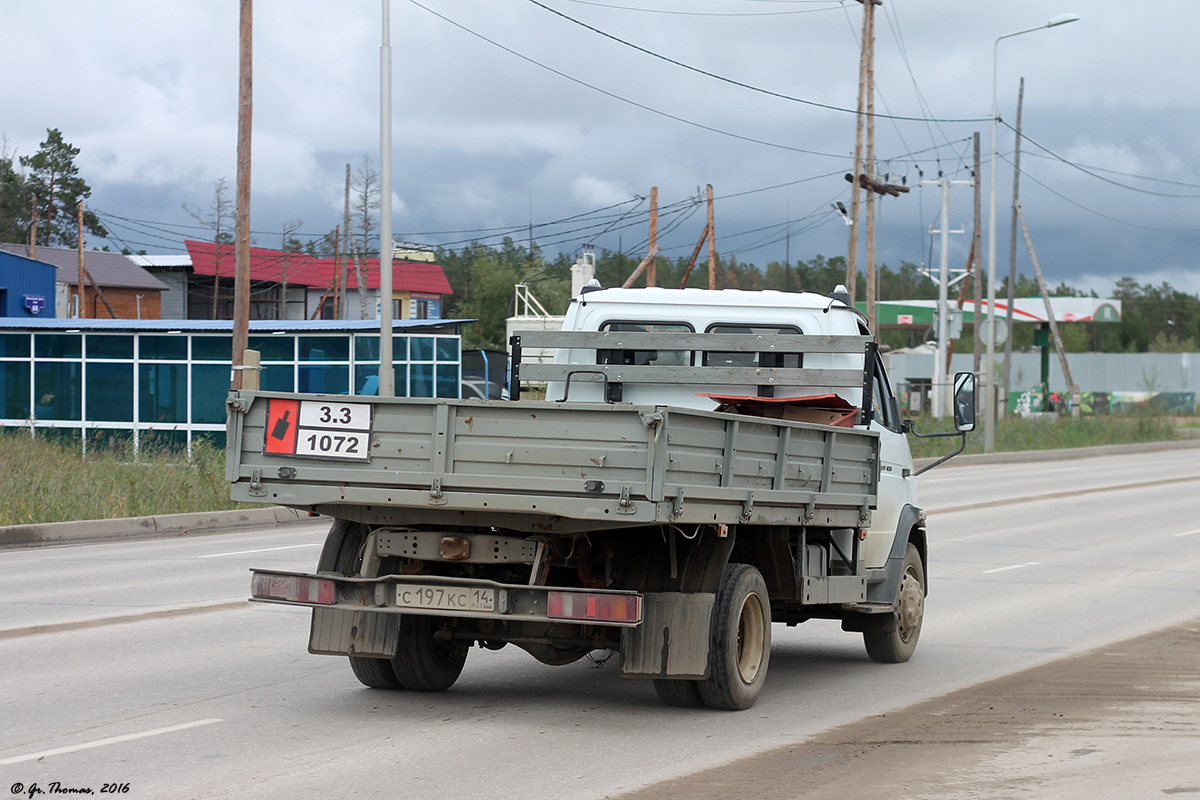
(989, 418)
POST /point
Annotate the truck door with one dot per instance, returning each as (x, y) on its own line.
(897, 488)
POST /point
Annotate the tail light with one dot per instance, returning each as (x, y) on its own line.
(594, 606)
(293, 589)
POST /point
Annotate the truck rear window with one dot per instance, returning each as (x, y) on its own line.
(669, 358)
(789, 360)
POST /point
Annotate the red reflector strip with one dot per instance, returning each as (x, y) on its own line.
(293, 589)
(586, 606)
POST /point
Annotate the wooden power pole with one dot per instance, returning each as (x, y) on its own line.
(241, 282)
(1012, 252)
(712, 243)
(869, 166)
(863, 66)
(79, 212)
(651, 271)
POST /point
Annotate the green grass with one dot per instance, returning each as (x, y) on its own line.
(49, 482)
(1050, 433)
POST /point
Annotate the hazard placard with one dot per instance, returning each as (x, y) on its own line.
(318, 429)
(283, 417)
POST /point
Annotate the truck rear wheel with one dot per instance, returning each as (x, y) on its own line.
(740, 644)
(681, 694)
(376, 673)
(423, 662)
(344, 545)
(896, 646)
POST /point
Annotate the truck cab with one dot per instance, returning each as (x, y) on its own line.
(763, 314)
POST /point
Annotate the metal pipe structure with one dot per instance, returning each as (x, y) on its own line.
(387, 374)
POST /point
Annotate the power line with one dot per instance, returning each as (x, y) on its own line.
(1087, 171)
(829, 6)
(731, 81)
(618, 97)
(1118, 220)
(1125, 174)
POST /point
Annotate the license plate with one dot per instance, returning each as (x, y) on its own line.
(445, 598)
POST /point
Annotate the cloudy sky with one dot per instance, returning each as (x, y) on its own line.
(509, 113)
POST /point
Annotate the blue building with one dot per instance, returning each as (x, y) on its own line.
(100, 381)
(26, 287)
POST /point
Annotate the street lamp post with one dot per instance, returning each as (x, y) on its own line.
(989, 382)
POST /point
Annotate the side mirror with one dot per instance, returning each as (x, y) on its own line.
(964, 402)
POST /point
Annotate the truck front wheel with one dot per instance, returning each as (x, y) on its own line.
(896, 646)
(425, 662)
(740, 643)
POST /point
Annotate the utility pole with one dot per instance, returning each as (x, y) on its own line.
(787, 252)
(869, 167)
(387, 249)
(1058, 345)
(80, 215)
(712, 243)
(652, 271)
(977, 256)
(861, 121)
(1012, 255)
(939, 394)
(704, 237)
(241, 282)
(344, 266)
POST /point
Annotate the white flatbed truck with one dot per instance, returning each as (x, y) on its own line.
(623, 512)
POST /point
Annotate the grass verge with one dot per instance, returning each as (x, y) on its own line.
(1050, 433)
(49, 482)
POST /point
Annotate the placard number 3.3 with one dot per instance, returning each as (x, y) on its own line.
(341, 417)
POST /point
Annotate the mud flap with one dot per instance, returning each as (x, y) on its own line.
(342, 632)
(672, 641)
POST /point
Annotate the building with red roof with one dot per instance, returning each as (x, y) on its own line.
(289, 285)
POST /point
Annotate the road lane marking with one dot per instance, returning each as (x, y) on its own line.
(1010, 566)
(1186, 533)
(263, 550)
(1033, 498)
(129, 737)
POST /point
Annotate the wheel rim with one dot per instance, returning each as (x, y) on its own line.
(750, 638)
(912, 605)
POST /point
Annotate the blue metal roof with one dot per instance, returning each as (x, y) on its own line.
(224, 325)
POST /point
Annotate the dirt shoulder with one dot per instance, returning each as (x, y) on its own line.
(1119, 722)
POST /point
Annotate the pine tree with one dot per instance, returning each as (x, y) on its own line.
(54, 179)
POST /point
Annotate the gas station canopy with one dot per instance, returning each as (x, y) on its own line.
(920, 313)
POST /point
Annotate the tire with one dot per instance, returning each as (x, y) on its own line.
(423, 663)
(681, 694)
(374, 673)
(739, 647)
(897, 645)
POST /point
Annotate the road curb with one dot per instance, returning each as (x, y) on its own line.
(155, 527)
(1025, 456)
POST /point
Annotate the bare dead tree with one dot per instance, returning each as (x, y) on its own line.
(218, 218)
(366, 204)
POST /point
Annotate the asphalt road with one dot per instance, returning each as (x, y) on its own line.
(140, 664)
